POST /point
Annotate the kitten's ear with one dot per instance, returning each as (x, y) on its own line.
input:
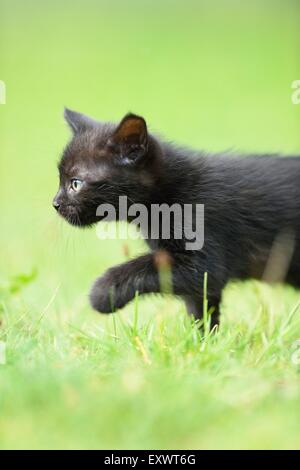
(132, 137)
(79, 122)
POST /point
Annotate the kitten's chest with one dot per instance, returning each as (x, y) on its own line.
(160, 239)
(171, 245)
(153, 244)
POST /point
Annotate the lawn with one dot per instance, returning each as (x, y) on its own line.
(213, 75)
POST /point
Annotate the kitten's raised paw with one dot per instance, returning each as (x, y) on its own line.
(105, 295)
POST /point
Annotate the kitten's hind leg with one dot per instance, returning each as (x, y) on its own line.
(194, 306)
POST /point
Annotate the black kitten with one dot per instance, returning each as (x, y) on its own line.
(252, 210)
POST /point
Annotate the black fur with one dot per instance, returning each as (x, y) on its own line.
(252, 204)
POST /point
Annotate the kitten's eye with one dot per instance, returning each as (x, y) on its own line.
(76, 184)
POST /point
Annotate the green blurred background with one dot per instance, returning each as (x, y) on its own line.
(215, 75)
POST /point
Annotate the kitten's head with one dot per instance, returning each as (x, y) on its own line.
(102, 162)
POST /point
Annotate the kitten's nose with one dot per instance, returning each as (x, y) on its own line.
(57, 200)
(56, 205)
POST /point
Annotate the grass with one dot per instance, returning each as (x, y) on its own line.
(157, 383)
(215, 75)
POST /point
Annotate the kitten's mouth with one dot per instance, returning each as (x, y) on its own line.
(74, 217)
(70, 214)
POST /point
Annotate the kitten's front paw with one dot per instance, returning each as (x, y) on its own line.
(106, 293)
